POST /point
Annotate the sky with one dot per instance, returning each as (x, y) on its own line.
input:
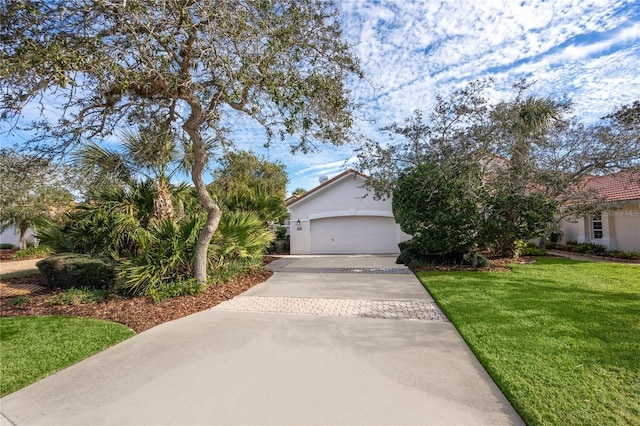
(411, 51)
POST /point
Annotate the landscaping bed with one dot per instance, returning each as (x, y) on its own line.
(137, 313)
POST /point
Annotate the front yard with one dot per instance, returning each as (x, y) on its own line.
(561, 338)
(34, 347)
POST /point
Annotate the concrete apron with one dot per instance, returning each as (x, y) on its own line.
(239, 363)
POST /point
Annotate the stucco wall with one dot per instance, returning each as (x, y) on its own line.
(625, 224)
(9, 236)
(344, 197)
(620, 228)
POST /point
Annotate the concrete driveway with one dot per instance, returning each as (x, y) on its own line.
(326, 340)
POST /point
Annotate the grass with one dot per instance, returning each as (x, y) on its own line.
(560, 338)
(80, 296)
(32, 348)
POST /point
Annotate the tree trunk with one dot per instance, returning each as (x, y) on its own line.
(23, 234)
(162, 204)
(192, 127)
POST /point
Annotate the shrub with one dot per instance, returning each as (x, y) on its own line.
(589, 248)
(166, 256)
(80, 296)
(409, 252)
(241, 236)
(30, 252)
(281, 233)
(232, 270)
(533, 251)
(476, 260)
(621, 254)
(168, 290)
(434, 203)
(7, 246)
(19, 301)
(69, 270)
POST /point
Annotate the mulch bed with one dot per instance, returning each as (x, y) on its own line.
(141, 313)
(496, 265)
(137, 313)
(5, 254)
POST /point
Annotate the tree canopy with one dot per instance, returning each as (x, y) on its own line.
(189, 65)
(531, 159)
(30, 195)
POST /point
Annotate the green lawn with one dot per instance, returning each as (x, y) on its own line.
(34, 347)
(561, 338)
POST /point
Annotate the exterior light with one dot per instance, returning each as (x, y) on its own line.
(299, 225)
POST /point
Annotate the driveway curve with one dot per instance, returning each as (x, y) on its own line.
(326, 340)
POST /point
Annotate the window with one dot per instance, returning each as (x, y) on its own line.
(597, 226)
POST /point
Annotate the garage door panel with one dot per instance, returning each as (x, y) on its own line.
(354, 235)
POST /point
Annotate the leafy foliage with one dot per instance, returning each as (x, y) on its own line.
(191, 65)
(80, 296)
(530, 160)
(165, 255)
(31, 193)
(242, 238)
(30, 252)
(69, 270)
(433, 203)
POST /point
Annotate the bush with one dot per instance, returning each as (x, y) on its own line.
(533, 251)
(168, 290)
(621, 254)
(589, 248)
(7, 246)
(80, 296)
(70, 270)
(476, 260)
(281, 233)
(30, 252)
(19, 302)
(232, 270)
(166, 256)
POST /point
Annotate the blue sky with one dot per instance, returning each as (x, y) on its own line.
(413, 50)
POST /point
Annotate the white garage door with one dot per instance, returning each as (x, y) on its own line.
(353, 235)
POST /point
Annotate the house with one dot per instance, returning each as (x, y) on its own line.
(341, 216)
(12, 236)
(618, 225)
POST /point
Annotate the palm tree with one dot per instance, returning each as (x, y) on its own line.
(299, 191)
(151, 152)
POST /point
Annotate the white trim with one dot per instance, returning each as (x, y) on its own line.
(323, 187)
(352, 212)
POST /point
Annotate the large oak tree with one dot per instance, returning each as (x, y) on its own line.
(191, 64)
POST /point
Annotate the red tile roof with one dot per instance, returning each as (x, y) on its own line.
(295, 199)
(623, 186)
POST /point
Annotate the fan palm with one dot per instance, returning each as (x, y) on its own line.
(151, 152)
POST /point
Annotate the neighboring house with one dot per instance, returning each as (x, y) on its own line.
(12, 236)
(340, 216)
(618, 225)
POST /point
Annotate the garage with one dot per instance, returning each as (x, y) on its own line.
(341, 216)
(353, 235)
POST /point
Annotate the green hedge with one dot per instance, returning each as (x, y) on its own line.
(70, 270)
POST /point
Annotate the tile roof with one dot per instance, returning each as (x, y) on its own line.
(294, 199)
(622, 186)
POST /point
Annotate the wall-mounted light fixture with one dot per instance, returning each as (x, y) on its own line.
(298, 225)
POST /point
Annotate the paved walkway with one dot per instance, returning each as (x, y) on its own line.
(18, 266)
(326, 340)
(13, 290)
